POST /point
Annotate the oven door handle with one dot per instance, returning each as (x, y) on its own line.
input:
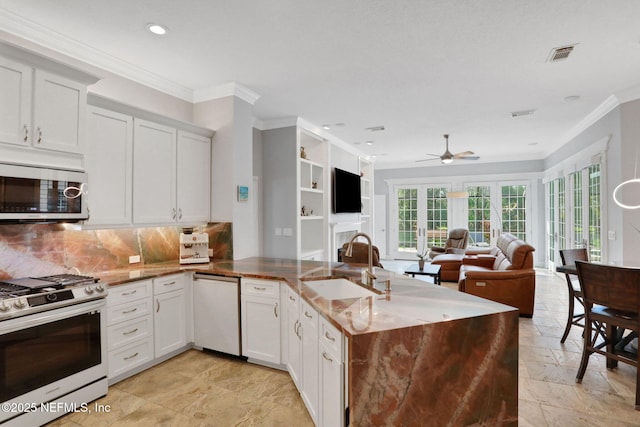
(41, 318)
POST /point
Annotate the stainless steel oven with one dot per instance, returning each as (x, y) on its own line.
(52, 362)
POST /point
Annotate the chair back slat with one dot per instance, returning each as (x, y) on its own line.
(615, 287)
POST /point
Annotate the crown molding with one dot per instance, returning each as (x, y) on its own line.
(31, 32)
(600, 111)
(222, 91)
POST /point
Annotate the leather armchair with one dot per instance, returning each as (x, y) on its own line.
(455, 244)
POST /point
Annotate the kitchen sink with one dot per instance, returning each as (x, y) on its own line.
(338, 289)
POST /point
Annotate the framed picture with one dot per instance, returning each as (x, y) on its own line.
(243, 193)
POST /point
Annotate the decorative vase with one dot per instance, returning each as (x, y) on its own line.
(303, 154)
(421, 264)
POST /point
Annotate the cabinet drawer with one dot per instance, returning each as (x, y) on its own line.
(266, 288)
(168, 283)
(331, 339)
(130, 292)
(130, 310)
(130, 356)
(127, 332)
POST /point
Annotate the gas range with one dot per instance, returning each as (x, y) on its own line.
(20, 297)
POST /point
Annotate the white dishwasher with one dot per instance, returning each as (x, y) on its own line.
(216, 313)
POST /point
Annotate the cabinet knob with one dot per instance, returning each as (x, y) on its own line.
(275, 309)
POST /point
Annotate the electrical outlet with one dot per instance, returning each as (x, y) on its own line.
(278, 231)
(287, 231)
(133, 259)
(210, 253)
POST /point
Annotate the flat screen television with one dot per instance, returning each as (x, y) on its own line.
(346, 192)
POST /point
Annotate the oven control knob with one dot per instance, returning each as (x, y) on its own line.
(88, 290)
(4, 307)
(21, 303)
(99, 288)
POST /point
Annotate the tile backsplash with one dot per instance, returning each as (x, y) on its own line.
(33, 250)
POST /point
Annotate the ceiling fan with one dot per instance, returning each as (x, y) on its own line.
(447, 157)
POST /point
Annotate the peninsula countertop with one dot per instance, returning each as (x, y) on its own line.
(408, 302)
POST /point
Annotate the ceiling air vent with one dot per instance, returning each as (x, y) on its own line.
(560, 53)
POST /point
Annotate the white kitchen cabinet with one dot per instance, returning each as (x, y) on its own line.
(331, 401)
(110, 186)
(260, 300)
(154, 173)
(15, 104)
(40, 109)
(310, 360)
(171, 175)
(129, 328)
(294, 337)
(193, 178)
(169, 317)
(59, 113)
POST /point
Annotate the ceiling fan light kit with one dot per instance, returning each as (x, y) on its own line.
(447, 157)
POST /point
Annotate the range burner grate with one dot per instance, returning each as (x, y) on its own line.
(69, 279)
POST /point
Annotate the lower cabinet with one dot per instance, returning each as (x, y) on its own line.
(310, 371)
(169, 316)
(146, 320)
(332, 399)
(294, 338)
(129, 327)
(261, 313)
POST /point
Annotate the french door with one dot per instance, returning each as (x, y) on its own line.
(574, 214)
(493, 208)
(424, 215)
(421, 213)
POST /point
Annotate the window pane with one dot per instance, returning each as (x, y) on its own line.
(479, 221)
(595, 243)
(578, 235)
(436, 206)
(407, 219)
(552, 222)
(514, 210)
(562, 220)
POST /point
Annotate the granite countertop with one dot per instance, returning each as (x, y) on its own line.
(409, 302)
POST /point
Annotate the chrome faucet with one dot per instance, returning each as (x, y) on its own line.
(349, 252)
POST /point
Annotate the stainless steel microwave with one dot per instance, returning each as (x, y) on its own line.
(29, 194)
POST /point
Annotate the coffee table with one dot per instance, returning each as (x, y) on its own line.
(432, 270)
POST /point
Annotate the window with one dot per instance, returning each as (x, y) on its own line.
(514, 213)
(595, 240)
(480, 214)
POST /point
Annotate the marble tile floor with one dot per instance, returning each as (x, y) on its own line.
(202, 389)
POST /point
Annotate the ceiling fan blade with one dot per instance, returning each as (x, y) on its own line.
(468, 158)
(463, 154)
(428, 160)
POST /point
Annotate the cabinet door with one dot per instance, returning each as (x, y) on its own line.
(331, 390)
(169, 328)
(154, 173)
(59, 113)
(294, 338)
(261, 328)
(194, 177)
(15, 103)
(110, 167)
(310, 369)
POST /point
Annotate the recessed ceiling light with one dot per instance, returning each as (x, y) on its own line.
(339, 124)
(571, 98)
(532, 143)
(369, 143)
(523, 113)
(326, 127)
(157, 29)
(375, 128)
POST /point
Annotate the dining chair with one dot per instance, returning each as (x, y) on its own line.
(569, 257)
(611, 297)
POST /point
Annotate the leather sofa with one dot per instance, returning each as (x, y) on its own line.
(505, 275)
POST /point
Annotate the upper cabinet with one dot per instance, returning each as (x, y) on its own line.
(110, 185)
(42, 111)
(144, 172)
